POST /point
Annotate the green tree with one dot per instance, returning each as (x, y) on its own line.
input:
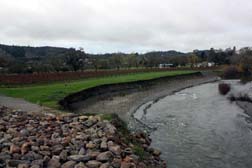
(116, 61)
(75, 59)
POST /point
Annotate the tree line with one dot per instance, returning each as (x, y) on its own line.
(18, 59)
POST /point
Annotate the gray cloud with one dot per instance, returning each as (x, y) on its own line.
(127, 25)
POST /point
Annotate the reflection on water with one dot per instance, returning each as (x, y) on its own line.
(197, 127)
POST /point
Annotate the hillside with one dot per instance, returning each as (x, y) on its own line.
(30, 52)
(26, 59)
(48, 51)
(165, 53)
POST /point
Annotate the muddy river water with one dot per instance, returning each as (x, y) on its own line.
(197, 127)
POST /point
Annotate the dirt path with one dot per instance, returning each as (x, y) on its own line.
(20, 104)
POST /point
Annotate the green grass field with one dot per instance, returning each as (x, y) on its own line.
(50, 94)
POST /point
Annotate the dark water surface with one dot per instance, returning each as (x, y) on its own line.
(197, 127)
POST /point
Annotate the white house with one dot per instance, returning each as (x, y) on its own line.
(165, 65)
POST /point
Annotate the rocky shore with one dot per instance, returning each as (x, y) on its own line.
(71, 141)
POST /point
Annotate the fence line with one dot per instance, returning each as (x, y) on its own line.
(61, 76)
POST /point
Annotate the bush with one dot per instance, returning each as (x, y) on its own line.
(244, 98)
(224, 88)
(231, 72)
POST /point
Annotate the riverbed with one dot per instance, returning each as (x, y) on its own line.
(197, 127)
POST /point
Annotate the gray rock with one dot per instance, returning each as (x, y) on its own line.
(31, 156)
(134, 157)
(90, 145)
(15, 163)
(79, 158)
(88, 123)
(63, 155)
(35, 166)
(105, 156)
(56, 149)
(104, 145)
(35, 148)
(83, 118)
(54, 163)
(45, 153)
(24, 132)
(93, 164)
(4, 156)
(105, 165)
(46, 159)
(65, 128)
(55, 135)
(156, 152)
(39, 163)
(44, 148)
(82, 136)
(110, 129)
(23, 165)
(82, 151)
(69, 164)
(116, 149)
(80, 165)
(116, 163)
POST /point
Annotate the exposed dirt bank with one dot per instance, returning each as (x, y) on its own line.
(124, 99)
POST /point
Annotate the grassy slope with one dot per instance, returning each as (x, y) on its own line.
(50, 94)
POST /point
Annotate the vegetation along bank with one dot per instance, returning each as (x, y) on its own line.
(50, 94)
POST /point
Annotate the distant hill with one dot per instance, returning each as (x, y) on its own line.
(19, 52)
(30, 52)
(26, 59)
(165, 53)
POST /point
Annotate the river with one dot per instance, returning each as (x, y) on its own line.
(197, 127)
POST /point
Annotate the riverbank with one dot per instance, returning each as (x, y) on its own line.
(126, 100)
(198, 127)
(124, 103)
(241, 94)
(37, 140)
(247, 108)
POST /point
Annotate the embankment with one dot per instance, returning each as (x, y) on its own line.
(109, 90)
(124, 98)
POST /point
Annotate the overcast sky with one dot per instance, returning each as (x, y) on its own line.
(127, 25)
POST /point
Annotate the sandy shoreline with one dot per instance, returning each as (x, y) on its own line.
(125, 105)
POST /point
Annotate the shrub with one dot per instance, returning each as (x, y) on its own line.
(231, 72)
(244, 98)
(139, 151)
(224, 88)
